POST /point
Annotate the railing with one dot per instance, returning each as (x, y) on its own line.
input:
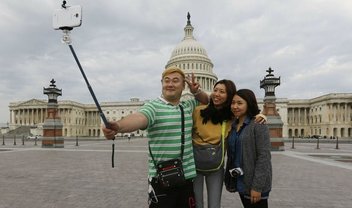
(318, 141)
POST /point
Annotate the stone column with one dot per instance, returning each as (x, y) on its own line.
(275, 124)
(52, 129)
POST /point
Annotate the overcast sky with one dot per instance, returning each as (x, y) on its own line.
(123, 46)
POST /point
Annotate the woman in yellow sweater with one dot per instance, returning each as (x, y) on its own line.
(210, 123)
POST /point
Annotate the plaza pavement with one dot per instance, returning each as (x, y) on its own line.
(82, 177)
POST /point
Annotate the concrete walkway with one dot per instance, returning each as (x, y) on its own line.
(82, 177)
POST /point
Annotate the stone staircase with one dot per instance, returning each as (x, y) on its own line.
(20, 131)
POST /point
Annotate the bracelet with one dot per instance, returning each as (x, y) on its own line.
(197, 93)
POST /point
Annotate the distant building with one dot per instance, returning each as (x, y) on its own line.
(328, 115)
(78, 119)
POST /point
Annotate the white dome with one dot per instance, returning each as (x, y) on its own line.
(189, 47)
(191, 57)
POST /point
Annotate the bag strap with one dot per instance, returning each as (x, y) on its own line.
(182, 137)
(223, 130)
(182, 131)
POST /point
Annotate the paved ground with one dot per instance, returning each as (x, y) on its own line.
(82, 177)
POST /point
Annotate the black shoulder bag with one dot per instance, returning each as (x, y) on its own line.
(170, 172)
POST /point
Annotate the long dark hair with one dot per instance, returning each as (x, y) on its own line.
(219, 115)
(249, 97)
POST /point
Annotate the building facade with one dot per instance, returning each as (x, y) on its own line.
(327, 116)
(78, 119)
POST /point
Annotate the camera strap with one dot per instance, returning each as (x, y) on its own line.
(182, 137)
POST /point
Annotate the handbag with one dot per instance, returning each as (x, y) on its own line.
(210, 157)
(170, 173)
(230, 182)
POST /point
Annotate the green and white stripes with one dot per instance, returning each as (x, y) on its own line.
(164, 133)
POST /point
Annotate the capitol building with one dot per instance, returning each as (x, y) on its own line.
(328, 116)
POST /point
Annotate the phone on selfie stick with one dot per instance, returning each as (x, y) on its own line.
(66, 19)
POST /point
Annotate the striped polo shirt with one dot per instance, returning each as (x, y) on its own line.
(164, 133)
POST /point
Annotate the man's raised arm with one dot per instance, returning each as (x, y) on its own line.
(129, 123)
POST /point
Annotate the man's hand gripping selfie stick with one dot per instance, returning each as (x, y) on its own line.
(67, 39)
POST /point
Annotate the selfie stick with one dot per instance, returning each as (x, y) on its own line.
(67, 39)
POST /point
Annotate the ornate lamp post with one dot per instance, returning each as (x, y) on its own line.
(52, 127)
(275, 123)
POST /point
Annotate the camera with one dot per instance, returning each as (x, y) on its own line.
(235, 172)
(67, 17)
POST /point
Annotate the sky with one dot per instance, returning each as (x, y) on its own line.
(123, 46)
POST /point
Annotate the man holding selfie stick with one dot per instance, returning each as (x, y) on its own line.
(162, 118)
(168, 121)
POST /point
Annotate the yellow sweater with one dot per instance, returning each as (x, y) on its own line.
(208, 133)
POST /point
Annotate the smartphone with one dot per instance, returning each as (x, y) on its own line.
(67, 18)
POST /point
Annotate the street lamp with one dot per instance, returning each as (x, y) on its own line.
(275, 123)
(52, 127)
(52, 92)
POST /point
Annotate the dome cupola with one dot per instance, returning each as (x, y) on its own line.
(191, 56)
